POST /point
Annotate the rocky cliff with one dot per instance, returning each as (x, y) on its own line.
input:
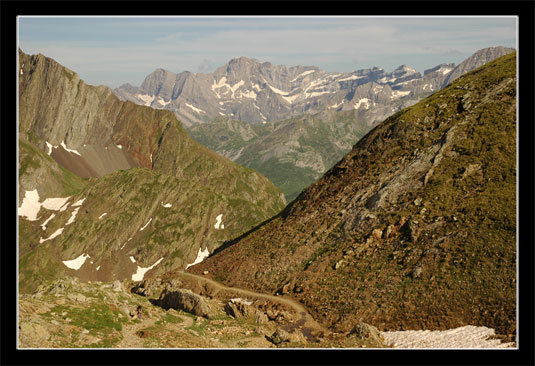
(415, 228)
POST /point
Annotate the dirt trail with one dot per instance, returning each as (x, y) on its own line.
(130, 338)
(306, 321)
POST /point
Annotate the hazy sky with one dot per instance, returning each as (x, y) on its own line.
(116, 50)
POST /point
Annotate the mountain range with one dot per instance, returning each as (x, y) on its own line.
(295, 152)
(259, 92)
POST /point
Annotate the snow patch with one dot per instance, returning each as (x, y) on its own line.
(143, 228)
(336, 105)
(291, 99)
(122, 246)
(69, 150)
(399, 93)
(236, 86)
(146, 98)
(56, 204)
(43, 225)
(223, 114)
(195, 109)
(98, 268)
(78, 203)
(21, 69)
(352, 77)
(361, 101)
(132, 259)
(120, 146)
(101, 216)
(167, 205)
(278, 91)
(463, 337)
(201, 255)
(428, 87)
(218, 221)
(222, 82)
(445, 70)
(163, 102)
(249, 94)
(302, 74)
(76, 263)
(50, 146)
(73, 216)
(386, 80)
(140, 273)
(315, 94)
(56, 233)
(30, 205)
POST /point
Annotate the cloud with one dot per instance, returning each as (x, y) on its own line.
(205, 66)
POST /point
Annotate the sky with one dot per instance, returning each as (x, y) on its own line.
(112, 51)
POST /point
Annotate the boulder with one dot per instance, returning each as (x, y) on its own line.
(241, 309)
(280, 336)
(117, 286)
(366, 332)
(188, 301)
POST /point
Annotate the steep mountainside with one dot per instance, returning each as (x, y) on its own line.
(292, 153)
(415, 228)
(259, 92)
(152, 198)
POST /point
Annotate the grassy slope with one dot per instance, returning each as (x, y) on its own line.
(449, 258)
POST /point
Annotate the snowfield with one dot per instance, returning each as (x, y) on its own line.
(30, 205)
(56, 233)
(76, 263)
(140, 273)
(463, 337)
(201, 255)
(218, 222)
(69, 150)
(43, 225)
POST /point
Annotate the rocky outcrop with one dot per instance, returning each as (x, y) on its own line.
(239, 308)
(188, 301)
(368, 333)
(402, 233)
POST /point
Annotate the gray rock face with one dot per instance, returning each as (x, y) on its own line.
(259, 92)
(478, 59)
(188, 301)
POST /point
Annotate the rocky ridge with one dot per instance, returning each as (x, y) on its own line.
(413, 229)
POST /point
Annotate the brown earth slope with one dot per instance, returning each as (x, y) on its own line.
(415, 228)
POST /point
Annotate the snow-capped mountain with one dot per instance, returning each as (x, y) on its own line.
(259, 92)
